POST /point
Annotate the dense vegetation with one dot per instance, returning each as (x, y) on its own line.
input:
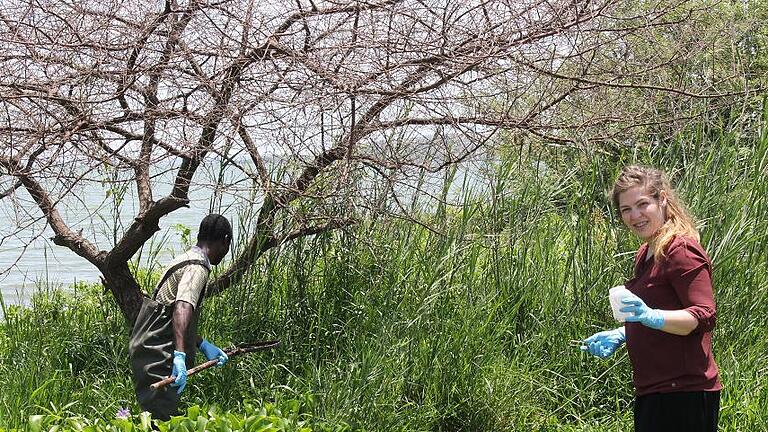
(464, 321)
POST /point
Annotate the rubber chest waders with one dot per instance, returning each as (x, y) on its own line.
(151, 349)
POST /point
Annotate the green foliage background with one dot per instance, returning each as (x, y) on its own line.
(466, 325)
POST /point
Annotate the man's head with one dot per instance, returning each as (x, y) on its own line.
(215, 236)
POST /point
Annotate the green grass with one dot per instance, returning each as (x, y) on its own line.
(390, 326)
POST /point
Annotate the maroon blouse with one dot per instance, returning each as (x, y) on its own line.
(663, 362)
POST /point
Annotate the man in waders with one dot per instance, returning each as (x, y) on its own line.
(164, 337)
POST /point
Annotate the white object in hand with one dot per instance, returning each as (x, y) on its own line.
(615, 295)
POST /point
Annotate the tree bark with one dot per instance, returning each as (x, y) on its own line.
(119, 280)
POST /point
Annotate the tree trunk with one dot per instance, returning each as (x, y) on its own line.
(120, 281)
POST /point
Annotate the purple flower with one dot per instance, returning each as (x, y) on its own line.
(123, 413)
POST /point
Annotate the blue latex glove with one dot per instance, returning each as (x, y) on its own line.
(179, 370)
(211, 352)
(604, 343)
(641, 313)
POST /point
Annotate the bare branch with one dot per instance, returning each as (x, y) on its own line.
(63, 235)
(325, 112)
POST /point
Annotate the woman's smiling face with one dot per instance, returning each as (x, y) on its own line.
(642, 213)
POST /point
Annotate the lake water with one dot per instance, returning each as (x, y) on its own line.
(29, 261)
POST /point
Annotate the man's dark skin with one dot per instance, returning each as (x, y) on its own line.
(183, 311)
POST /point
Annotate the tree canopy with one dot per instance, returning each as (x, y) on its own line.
(327, 107)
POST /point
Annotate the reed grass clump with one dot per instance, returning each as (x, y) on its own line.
(468, 325)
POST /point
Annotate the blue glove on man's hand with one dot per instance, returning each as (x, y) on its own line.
(179, 370)
(604, 343)
(641, 313)
(211, 352)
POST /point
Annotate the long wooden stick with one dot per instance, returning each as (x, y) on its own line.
(259, 346)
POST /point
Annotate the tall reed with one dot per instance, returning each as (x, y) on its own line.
(467, 326)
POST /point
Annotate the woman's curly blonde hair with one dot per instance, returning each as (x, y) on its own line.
(678, 221)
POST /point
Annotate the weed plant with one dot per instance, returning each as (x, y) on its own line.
(465, 321)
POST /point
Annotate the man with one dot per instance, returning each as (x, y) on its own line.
(164, 337)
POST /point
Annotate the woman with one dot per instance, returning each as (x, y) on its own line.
(669, 334)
